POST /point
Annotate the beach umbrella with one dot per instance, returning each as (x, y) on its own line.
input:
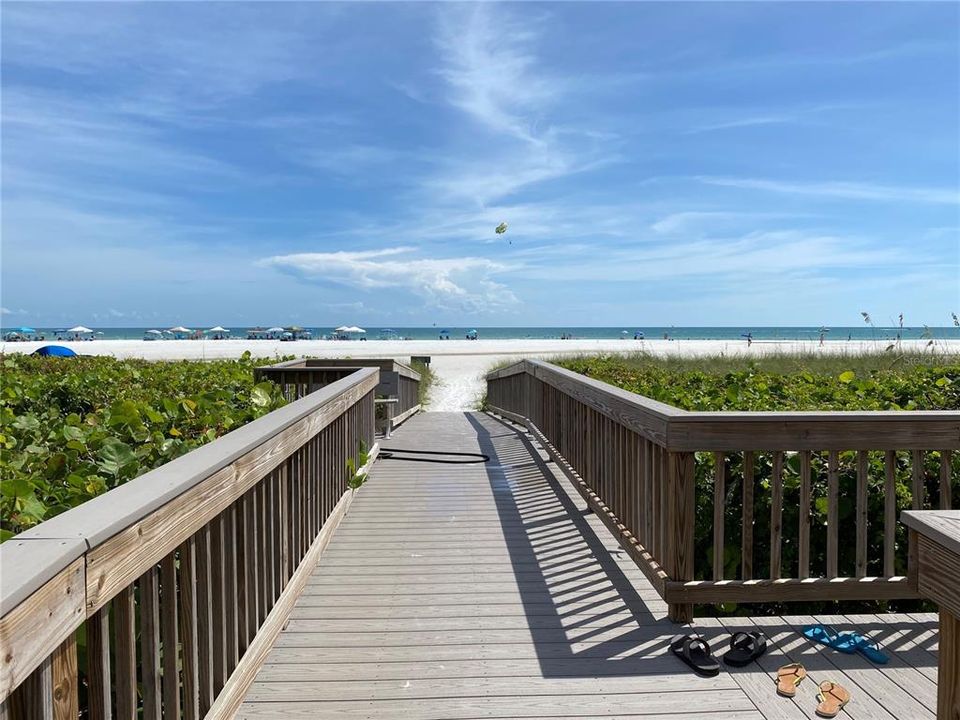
(217, 329)
(342, 328)
(355, 329)
(153, 332)
(80, 329)
(180, 329)
(26, 330)
(624, 332)
(55, 351)
(275, 329)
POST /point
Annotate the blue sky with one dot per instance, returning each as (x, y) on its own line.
(318, 163)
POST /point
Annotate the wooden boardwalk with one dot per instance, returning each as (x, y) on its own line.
(488, 591)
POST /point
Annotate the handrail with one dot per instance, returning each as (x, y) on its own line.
(691, 430)
(230, 524)
(385, 364)
(303, 376)
(637, 462)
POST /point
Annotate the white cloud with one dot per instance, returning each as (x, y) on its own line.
(463, 283)
(491, 70)
(843, 190)
(493, 74)
(743, 122)
(739, 259)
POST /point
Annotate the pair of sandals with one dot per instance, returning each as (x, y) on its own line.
(830, 700)
(695, 651)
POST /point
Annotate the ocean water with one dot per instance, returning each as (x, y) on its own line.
(598, 333)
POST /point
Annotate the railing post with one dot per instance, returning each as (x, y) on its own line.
(681, 481)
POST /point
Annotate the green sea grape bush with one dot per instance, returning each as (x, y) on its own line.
(427, 380)
(73, 428)
(796, 383)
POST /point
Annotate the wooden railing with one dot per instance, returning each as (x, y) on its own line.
(397, 381)
(174, 585)
(637, 462)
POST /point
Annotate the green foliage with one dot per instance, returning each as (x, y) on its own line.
(356, 467)
(784, 382)
(912, 382)
(427, 379)
(71, 429)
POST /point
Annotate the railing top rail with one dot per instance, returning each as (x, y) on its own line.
(941, 525)
(685, 430)
(385, 364)
(38, 554)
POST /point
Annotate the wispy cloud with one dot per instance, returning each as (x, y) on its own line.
(492, 71)
(494, 75)
(784, 253)
(461, 283)
(841, 190)
(743, 122)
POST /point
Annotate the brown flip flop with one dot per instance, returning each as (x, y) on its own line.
(788, 677)
(832, 698)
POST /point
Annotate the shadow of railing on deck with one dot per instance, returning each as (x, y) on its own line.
(584, 614)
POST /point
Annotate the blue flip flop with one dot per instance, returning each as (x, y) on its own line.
(828, 636)
(852, 642)
(848, 642)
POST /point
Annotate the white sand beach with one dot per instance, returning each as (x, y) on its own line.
(459, 364)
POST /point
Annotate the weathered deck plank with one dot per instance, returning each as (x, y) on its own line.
(488, 591)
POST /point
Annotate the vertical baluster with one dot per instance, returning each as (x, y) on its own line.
(171, 636)
(918, 489)
(204, 620)
(66, 705)
(268, 548)
(98, 665)
(33, 698)
(150, 644)
(746, 545)
(230, 585)
(681, 520)
(263, 552)
(889, 512)
(833, 515)
(633, 478)
(803, 571)
(283, 501)
(190, 658)
(250, 555)
(658, 509)
(292, 529)
(240, 520)
(946, 489)
(861, 509)
(776, 515)
(126, 655)
(719, 496)
(217, 624)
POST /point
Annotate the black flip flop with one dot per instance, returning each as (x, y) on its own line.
(745, 648)
(695, 652)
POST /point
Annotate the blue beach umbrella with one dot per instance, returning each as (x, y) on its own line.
(55, 351)
(26, 330)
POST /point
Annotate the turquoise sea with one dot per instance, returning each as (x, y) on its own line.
(649, 331)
